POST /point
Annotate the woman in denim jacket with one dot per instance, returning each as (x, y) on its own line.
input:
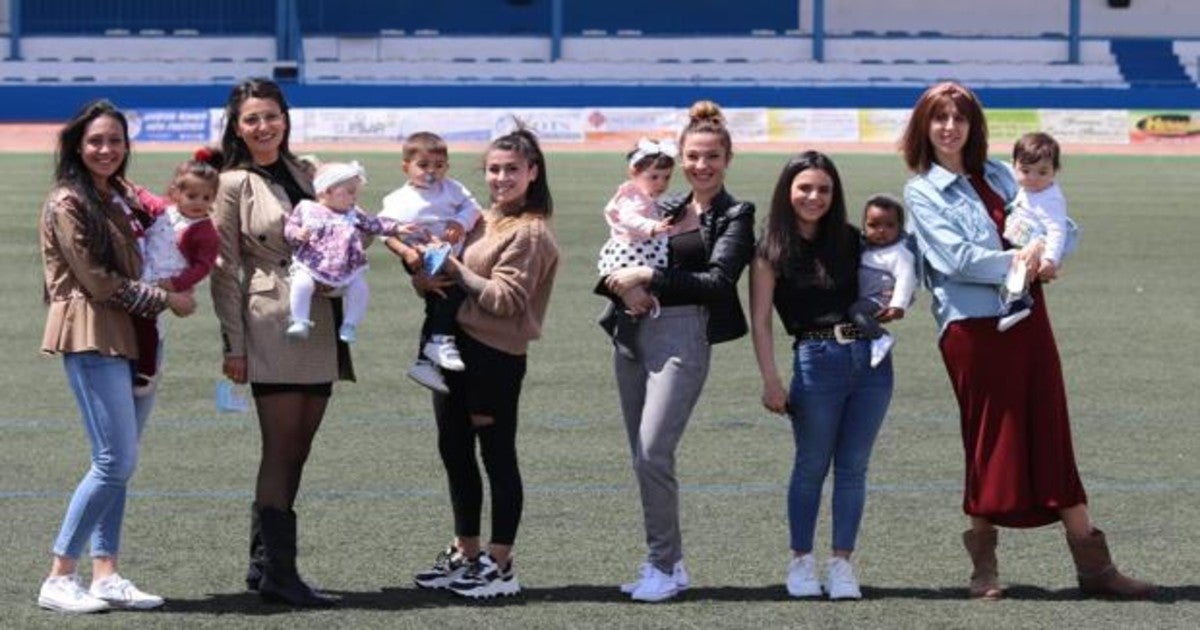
(1020, 464)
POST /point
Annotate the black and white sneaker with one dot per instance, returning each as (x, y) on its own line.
(449, 566)
(486, 579)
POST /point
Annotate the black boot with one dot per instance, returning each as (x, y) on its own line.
(280, 580)
(258, 555)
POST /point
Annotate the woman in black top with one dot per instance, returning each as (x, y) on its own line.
(807, 267)
(659, 380)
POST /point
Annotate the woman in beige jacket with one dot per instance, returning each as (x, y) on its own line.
(89, 230)
(290, 379)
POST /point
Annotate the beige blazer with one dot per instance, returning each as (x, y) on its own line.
(82, 316)
(251, 284)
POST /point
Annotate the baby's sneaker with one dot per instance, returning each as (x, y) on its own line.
(428, 375)
(299, 329)
(1008, 321)
(348, 333)
(444, 353)
(880, 348)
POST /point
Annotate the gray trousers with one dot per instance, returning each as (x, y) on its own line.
(658, 391)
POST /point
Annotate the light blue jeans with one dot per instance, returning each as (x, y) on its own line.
(837, 402)
(114, 419)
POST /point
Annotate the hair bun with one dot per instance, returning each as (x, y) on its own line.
(706, 111)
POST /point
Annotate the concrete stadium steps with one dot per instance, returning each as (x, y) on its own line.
(1149, 63)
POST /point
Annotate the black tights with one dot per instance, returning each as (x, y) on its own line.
(288, 422)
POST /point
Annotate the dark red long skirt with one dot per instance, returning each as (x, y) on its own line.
(1020, 464)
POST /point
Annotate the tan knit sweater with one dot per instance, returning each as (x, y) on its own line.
(518, 257)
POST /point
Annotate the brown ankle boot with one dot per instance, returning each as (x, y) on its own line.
(1097, 573)
(985, 578)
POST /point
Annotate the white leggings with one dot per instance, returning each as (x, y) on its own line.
(356, 295)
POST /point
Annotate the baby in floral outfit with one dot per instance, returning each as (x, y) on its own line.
(327, 237)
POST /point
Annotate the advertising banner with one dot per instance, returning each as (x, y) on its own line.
(812, 125)
(1164, 127)
(882, 125)
(168, 125)
(1086, 126)
(627, 124)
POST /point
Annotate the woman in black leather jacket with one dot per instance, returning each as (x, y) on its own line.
(660, 377)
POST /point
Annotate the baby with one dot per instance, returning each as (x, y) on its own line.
(637, 230)
(180, 249)
(328, 241)
(1038, 211)
(441, 212)
(887, 275)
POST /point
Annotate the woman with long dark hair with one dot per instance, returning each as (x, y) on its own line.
(89, 231)
(507, 271)
(807, 267)
(291, 379)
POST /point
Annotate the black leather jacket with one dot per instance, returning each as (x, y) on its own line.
(727, 230)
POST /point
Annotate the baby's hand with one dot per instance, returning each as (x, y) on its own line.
(303, 234)
(662, 227)
(1047, 270)
(166, 285)
(453, 232)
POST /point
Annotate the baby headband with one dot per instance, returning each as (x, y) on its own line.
(335, 173)
(647, 147)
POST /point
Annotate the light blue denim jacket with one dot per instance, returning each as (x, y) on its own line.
(960, 257)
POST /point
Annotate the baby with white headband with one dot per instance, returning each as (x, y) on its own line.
(637, 228)
(328, 241)
(638, 231)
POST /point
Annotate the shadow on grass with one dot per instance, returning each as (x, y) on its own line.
(399, 599)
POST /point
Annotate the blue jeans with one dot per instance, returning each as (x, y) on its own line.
(114, 419)
(837, 404)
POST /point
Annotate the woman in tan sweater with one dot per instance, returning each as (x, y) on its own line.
(507, 270)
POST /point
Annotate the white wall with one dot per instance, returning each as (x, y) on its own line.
(1143, 18)
(1165, 18)
(956, 17)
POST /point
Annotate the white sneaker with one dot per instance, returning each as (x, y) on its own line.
(485, 579)
(348, 333)
(64, 593)
(840, 582)
(679, 573)
(299, 328)
(880, 348)
(655, 586)
(1010, 320)
(121, 593)
(441, 350)
(802, 577)
(427, 374)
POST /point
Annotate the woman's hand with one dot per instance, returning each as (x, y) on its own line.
(181, 304)
(424, 283)
(638, 301)
(625, 279)
(889, 314)
(234, 369)
(774, 396)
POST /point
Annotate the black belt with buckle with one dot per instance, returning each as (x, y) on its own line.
(841, 333)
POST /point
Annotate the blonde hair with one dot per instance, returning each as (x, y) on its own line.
(706, 117)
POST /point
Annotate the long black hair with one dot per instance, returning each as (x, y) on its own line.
(235, 149)
(524, 143)
(71, 173)
(781, 240)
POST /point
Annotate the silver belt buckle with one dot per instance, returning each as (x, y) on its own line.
(841, 336)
